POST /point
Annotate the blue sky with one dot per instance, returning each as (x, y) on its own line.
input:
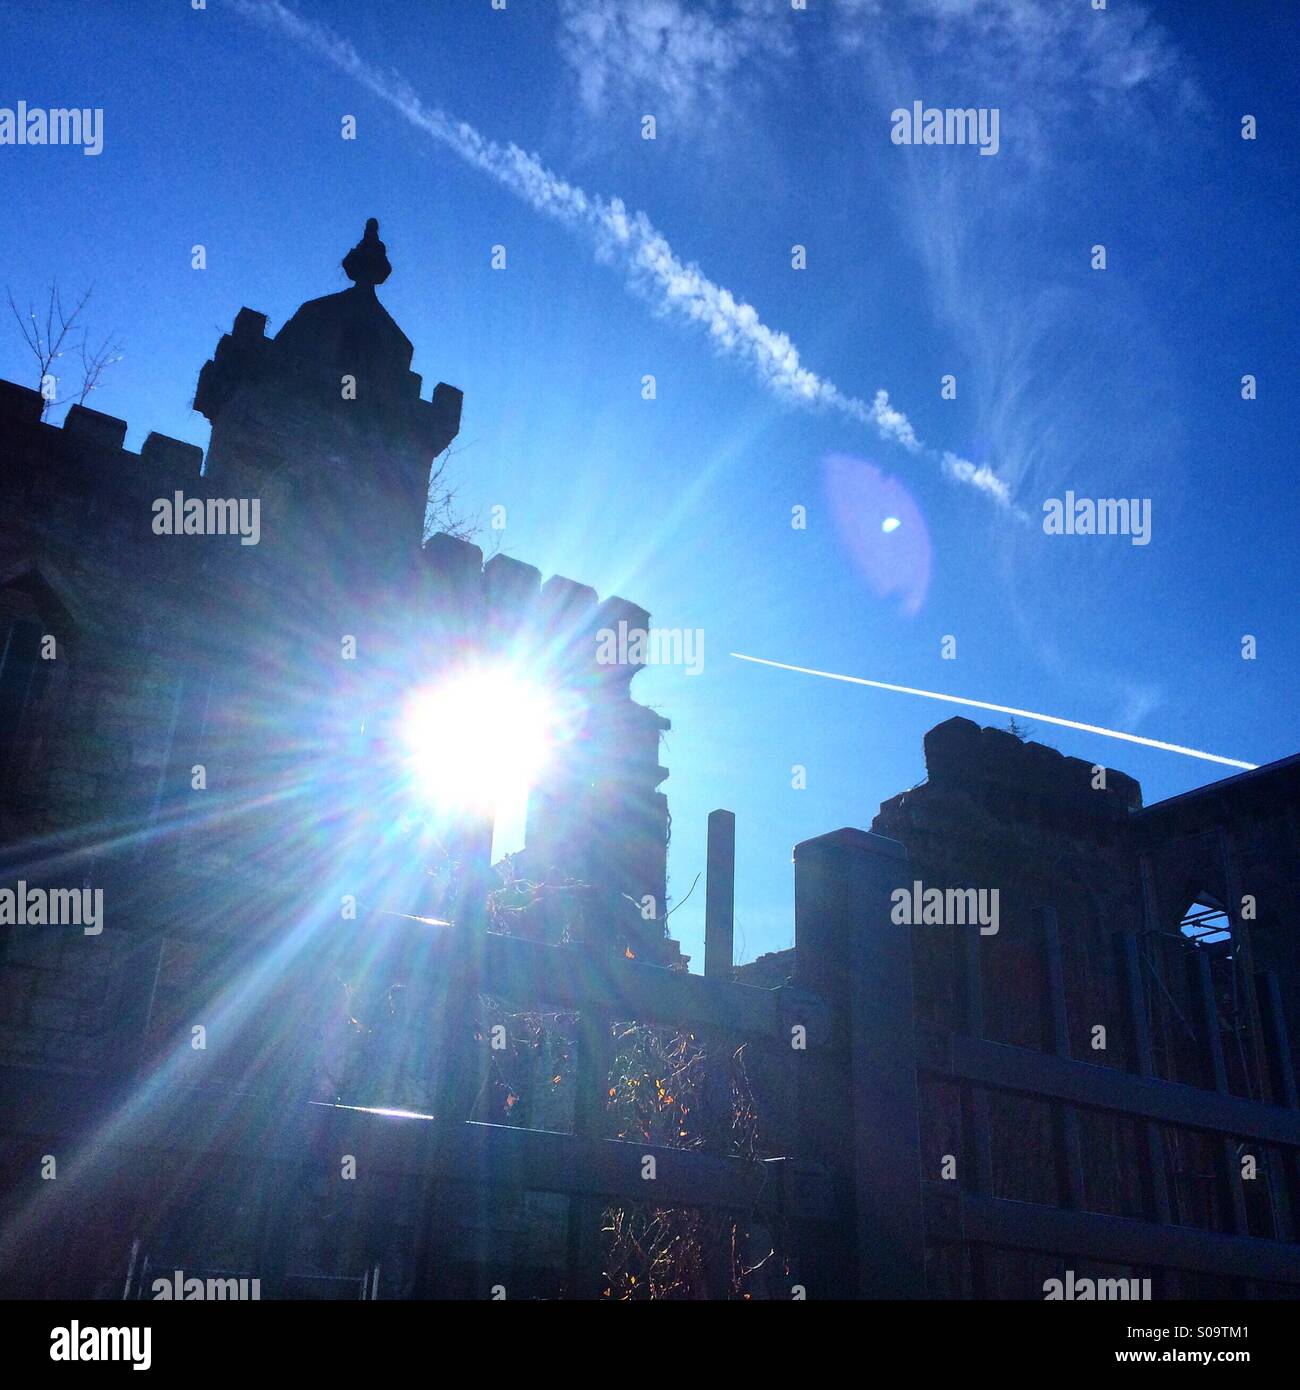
(1119, 127)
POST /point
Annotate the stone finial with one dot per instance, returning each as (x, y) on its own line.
(367, 262)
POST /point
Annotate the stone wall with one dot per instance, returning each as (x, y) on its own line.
(176, 650)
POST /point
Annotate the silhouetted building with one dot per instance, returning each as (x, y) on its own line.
(269, 942)
(1203, 889)
(203, 725)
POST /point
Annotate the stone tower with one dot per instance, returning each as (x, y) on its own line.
(293, 416)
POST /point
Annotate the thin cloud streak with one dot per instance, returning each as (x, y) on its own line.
(628, 239)
(1003, 709)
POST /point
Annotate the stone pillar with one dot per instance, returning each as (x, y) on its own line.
(860, 1092)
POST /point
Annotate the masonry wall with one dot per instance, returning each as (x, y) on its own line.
(1050, 832)
(176, 650)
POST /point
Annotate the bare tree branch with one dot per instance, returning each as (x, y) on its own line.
(95, 364)
(441, 512)
(62, 332)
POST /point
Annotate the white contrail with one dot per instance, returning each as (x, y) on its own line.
(1002, 709)
(652, 267)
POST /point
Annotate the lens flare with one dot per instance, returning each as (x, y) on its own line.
(479, 739)
(881, 527)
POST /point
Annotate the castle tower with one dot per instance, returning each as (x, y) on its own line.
(324, 422)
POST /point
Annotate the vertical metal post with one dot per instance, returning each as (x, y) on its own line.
(594, 1046)
(1243, 965)
(1280, 1043)
(1144, 1061)
(1281, 1162)
(1230, 1174)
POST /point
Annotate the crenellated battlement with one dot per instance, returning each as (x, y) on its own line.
(90, 435)
(248, 356)
(556, 621)
(328, 408)
(502, 598)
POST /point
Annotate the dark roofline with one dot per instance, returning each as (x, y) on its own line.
(1227, 784)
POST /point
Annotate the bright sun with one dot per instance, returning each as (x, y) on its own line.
(479, 738)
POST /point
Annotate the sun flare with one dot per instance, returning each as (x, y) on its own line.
(480, 738)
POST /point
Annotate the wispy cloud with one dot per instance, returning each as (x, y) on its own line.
(626, 239)
(1055, 56)
(982, 477)
(687, 60)
(1056, 363)
(1074, 85)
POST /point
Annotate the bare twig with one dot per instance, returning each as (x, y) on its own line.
(60, 333)
(442, 513)
(95, 364)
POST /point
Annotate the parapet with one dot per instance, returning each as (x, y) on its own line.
(560, 621)
(20, 403)
(511, 584)
(246, 357)
(173, 455)
(90, 437)
(959, 752)
(94, 428)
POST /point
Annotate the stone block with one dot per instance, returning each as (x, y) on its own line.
(952, 750)
(88, 426)
(170, 455)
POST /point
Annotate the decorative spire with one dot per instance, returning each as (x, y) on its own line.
(367, 262)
